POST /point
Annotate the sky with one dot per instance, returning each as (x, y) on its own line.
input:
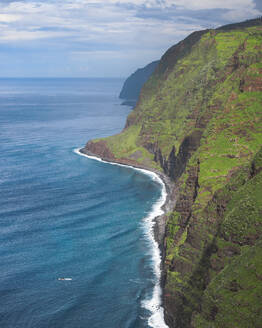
(103, 38)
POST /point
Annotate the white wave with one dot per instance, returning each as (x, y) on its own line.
(156, 320)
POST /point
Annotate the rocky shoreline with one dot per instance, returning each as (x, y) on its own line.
(160, 221)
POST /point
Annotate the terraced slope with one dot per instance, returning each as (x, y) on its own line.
(199, 121)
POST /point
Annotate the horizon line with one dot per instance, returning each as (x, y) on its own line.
(63, 77)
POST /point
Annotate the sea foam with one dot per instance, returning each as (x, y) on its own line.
(153, 305)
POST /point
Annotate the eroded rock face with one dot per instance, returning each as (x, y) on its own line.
(99, 149)
(174, 299)
(251, 84)
(174, 165)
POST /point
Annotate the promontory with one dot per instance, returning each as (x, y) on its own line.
(199, 121)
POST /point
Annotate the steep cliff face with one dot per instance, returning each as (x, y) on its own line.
(199, 120)
(133, 84)
(231, 270)
(213, 260)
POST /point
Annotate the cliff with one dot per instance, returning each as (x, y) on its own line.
(133, 84)
(198, 120)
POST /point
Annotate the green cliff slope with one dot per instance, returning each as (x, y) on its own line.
(213, 260)
(199, 120)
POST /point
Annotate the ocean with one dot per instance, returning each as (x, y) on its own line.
(68, 216)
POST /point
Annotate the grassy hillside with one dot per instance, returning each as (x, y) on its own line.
(198, 119)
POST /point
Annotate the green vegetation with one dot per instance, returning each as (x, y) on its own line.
(124, 145)
(233, 296)
(202, 84)
(199, 120)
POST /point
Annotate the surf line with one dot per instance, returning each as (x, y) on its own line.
(156, 320)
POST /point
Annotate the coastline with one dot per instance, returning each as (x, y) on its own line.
(159, 229)
(156, 222)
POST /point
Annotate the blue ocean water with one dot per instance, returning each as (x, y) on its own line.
(63, 215)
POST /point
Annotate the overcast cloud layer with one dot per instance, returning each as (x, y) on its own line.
(82, 38)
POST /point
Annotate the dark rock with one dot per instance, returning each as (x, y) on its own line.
(174, 165)
(99, 149)
(213, 312)
(234, 286)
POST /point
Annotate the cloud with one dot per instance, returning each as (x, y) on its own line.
(15, 35)
(110, 32)
(112, 19)
(80, 20)
(6, 18)
(186, 4)
(214, 4)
